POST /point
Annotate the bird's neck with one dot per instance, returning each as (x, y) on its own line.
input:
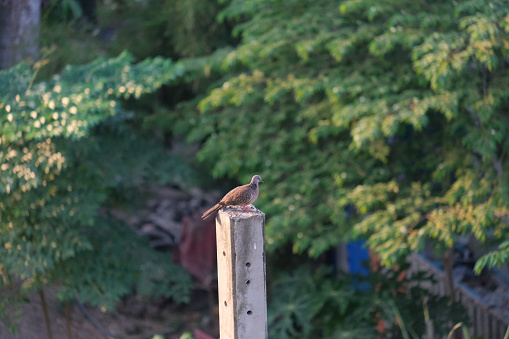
(253, 185)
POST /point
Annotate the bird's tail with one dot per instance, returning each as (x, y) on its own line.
(211, 211)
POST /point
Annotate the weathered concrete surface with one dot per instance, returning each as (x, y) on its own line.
(241, 274)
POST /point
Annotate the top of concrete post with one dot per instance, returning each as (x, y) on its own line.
(237, 213)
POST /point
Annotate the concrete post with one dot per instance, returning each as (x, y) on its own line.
(241, 274)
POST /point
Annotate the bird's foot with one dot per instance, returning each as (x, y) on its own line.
(249, 208)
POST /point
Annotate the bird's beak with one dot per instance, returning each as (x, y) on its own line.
(261, 180)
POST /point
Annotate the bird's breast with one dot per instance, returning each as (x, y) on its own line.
(254, 196)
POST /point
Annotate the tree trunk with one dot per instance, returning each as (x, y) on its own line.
(19, 30)
(44, 307)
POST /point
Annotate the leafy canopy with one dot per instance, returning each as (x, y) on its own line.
(67, 150)
(384, 120)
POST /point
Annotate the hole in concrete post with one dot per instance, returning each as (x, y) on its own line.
(248, 282)
(249, 312)
(248, 264)
(225, 303)
(224, 253)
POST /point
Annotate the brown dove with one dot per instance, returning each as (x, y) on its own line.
(239, 196)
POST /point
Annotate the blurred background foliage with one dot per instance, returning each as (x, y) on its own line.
(68, 150)
(379, 120)
(385, 121)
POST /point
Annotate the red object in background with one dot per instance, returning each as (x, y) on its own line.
(201, 335)
(375, 266)
(197, 249)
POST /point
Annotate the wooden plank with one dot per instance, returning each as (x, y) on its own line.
(478, 319)
(494, 327)
(241, 274)
(486, 323)
(467, 301)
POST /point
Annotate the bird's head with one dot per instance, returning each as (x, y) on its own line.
(256, 179)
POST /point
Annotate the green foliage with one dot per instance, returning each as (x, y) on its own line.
(378, 120)
(12, 296)
(151, 28)
(314, 304)
(65, 43)
(68, 150)
(464, 330)
(65, 9)
(495, 258)
(66, 36)
(105, 281)
(186, 335)
(381, 120)
(67, 106)
(169, 28)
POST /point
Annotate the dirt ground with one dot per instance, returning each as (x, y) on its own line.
(133, 319)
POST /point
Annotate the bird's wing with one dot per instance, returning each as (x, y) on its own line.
(241, 195)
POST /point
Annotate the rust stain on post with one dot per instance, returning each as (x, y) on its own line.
(241, 274)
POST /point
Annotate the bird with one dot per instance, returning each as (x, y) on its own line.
(239, 196)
